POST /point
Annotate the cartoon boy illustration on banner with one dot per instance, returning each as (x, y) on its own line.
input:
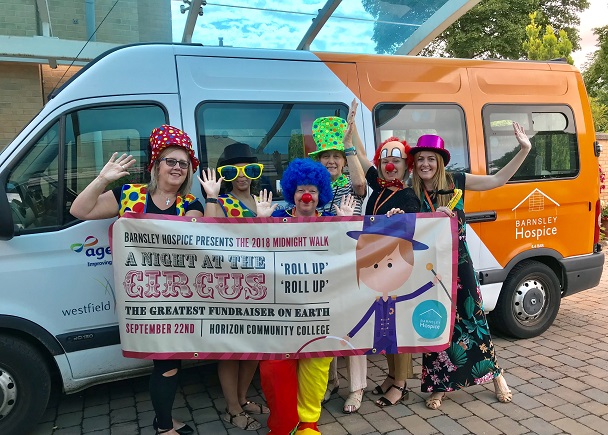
(385, 261)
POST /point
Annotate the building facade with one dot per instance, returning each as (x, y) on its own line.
(40, 39)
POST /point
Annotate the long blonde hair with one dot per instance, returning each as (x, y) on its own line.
(183, 190)
(442, 180)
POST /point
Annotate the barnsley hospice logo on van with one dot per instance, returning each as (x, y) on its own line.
(536, 218)
(99, 256)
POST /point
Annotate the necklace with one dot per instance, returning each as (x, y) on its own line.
(168, 201)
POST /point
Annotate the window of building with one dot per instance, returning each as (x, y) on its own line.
(551, 131)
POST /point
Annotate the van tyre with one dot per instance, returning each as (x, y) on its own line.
(25, 386)
(529, 300)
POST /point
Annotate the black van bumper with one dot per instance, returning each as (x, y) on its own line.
(582, 272)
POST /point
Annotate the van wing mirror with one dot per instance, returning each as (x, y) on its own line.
(597, 148)
(7, 229)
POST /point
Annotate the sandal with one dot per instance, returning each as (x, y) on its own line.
(378, 389)
(242, 420)
(434, 401)
(353, 402)
(255, 408)
(384, 402)
(503, 393)
(329, 393)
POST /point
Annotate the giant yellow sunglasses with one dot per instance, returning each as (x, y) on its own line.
(253, 171)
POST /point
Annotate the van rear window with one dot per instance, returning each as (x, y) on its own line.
(276, 132)
(551, 130)
(409, 121)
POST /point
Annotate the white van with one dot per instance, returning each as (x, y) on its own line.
(58, 309)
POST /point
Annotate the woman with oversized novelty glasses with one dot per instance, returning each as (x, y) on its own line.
(238, 167)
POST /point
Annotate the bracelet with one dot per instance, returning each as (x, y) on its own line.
(346, 150)
(211, 201)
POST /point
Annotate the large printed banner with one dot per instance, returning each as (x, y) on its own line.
(273, 288)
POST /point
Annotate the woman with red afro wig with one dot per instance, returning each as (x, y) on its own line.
(386, 177)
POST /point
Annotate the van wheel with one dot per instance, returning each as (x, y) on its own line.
(25, 386)
(529, 300)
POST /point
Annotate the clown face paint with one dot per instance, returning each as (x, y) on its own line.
(392, 161)
(306, 199)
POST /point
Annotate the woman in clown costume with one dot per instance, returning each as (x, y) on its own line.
(172, 164)
(238, 168)
(294, 388)
(328, 134)
(386, 177)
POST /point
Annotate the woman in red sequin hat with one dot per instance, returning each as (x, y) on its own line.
(172, 164)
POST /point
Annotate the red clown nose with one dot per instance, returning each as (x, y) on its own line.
(390, 167)
(306, 198)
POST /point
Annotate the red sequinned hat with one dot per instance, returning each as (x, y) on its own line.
(166, 136)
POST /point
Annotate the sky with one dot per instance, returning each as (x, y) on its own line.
(277, 24)
(595, 16)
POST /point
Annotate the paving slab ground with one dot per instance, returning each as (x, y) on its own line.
(559, 382)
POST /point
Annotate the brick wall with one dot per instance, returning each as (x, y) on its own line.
(18, 18)
(24, 88)
(20, 97)
(602, 138)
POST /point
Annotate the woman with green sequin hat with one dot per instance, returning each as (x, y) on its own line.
(328, 134)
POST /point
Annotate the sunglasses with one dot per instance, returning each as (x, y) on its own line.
(253, 171)
(172, 162)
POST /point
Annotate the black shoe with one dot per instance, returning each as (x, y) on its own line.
(184, 430)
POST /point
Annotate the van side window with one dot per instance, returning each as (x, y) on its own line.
(551, 130)
(43, 184)
(276, 132)
(412, 120)
(33, 184)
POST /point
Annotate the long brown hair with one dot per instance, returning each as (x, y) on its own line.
(442, 180)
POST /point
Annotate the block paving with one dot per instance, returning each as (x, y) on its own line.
(559, 382)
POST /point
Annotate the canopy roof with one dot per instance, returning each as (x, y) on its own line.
(354, 26)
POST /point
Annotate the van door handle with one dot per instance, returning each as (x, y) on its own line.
(480, 216)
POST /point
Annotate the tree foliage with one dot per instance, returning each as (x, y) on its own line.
(550, 46)
(596, 69)
(599, 112)
(491, 29)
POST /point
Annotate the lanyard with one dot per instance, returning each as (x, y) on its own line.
(376, 206)
(428, 199)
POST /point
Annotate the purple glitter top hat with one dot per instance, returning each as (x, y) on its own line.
(431, 142)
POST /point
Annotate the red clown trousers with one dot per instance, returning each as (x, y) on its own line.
(294, 390)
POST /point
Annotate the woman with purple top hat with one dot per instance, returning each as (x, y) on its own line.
(471, 358)
(328, 134)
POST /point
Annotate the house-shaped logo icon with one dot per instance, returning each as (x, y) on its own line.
(535, 202)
